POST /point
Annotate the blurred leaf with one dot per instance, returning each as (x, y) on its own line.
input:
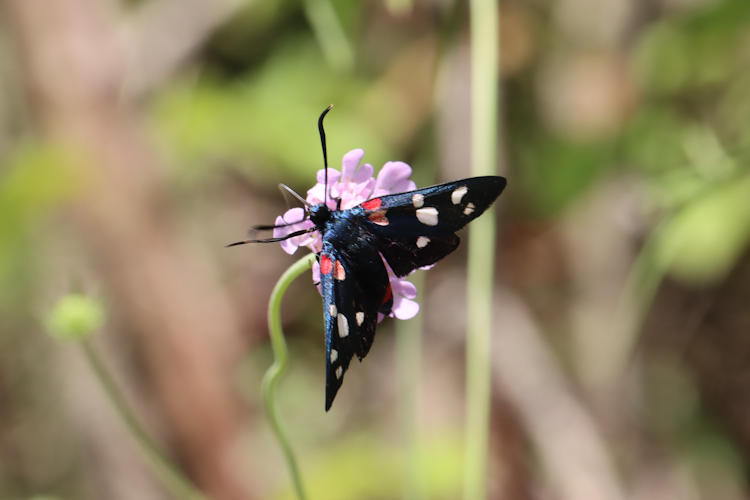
(680, 157)
(247, 35)
(556, 172)
(257, 25)
(35, 180)
(703, 240)
(715, 461)
(651, 142)
(265, 124)
(703, 48)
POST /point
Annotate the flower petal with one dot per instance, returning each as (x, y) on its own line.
(316, 194)
(295, 217)
(404, 308)
(333, 176)
(353, 185)
(354, 194)
(363, 173)
(289, 246)
(404, 288)
(350, 162)
(393, 178)
(316, 271)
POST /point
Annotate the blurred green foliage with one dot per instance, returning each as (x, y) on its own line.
(264, 124)
(35, 180)
(688, 143)
(561, 171)
(248, 108)
(362, 466)
(695, 52)
(696, 156)
(701, 242)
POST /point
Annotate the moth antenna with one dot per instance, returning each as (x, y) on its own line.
(323, 145)
(268, 227)
(289, 190)
(272, 240)
(263, 227)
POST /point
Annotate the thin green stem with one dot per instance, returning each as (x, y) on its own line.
(641, 285)
(271, 378)
(168, 472)
(484, 133)
(409, 367)
(330, 34)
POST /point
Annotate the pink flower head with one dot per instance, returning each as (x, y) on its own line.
(353, 185)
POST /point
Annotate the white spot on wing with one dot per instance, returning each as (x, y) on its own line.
(334, 355)
(422, 241)
(360, 317)
(343, 325)
(469, 209)
(428, 216)
(458, 194)
(339, 372)
(417, 200)
(332, 310)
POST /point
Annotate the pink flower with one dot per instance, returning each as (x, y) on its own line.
(353, 185)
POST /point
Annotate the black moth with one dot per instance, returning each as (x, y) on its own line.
(409, 230)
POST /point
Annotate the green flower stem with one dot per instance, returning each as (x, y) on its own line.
(484, 133)
(641, 286)
(168, 472)
(330, 34)
(409, 367)
(280, 353)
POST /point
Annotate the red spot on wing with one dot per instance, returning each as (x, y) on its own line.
(372, 204)
(325, 264)
(388, 294)
(378, 218)
(338, 271)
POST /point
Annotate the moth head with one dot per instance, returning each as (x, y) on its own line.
(319, 214)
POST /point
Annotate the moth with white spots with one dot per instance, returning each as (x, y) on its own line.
(409, 230)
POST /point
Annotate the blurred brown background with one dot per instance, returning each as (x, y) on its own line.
(138, 137)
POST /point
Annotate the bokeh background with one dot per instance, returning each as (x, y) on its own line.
(137, 138)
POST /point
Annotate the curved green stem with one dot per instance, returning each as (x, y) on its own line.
(270, 379)
(484, 138)
(168, 472)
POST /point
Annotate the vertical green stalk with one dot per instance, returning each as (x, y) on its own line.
(169, 473)
(271, 378)
(484, 133)
(641, 286)
(330, 34)
(409, 367)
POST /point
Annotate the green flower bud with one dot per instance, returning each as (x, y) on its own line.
(75, 317)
